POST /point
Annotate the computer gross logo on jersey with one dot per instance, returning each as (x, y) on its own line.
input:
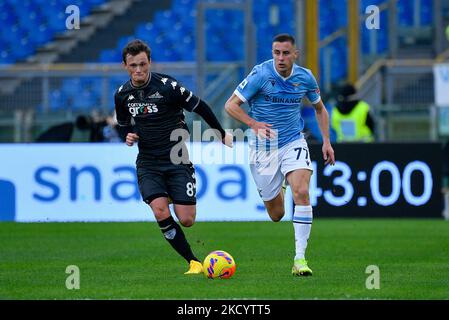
(136, 108)
(277, 99)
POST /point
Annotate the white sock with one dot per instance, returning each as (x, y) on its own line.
(302, 223)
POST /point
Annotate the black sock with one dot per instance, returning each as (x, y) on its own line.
(175, 236)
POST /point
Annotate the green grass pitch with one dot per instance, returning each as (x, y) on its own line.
(133, 260)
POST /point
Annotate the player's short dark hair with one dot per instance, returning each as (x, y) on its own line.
(134, 47)
(284, 37)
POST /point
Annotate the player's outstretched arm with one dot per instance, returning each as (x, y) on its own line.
(207, 114)
(234, 109)
(322, 117)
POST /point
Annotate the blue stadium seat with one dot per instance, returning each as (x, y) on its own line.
(426, 12)
(13, 35)
(223, 30)
(35, 22)
(7, 18)
(146, 31)
(164, 19)
(110, 56)
(186, 50)
(43, 35)
(71, 87)
(405, 12)
(182, 28)
(6, 57)
(123, 41)
(84, 100)
(57, 100)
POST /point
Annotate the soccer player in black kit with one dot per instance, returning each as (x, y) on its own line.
(155, 102)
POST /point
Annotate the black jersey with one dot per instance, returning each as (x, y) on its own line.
(157, 110)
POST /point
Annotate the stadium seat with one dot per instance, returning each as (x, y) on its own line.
(221, 46)
(84, 100)
(110, 56)
(178, 44)
(426, 12)
(57, 100)
(405, 12)
(35, 22)
(6, 57)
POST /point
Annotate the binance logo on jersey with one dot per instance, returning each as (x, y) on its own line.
(137, 108)
(275, 99)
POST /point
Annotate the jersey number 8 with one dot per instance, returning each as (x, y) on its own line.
(190, 189)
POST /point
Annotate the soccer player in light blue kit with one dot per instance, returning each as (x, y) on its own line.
(274, 90)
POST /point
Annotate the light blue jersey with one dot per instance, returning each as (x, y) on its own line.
(277, 100)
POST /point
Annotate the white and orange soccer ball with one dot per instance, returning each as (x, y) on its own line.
(219, 264)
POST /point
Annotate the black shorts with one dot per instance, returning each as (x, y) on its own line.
(162, 178)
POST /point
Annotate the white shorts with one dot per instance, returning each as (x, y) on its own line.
(269, 167)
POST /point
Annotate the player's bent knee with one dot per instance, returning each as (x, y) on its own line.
(301, 195)
(160, 210)
(161, 213)
(276, 215)
(187, 221)
(186, 214)
(276, 218)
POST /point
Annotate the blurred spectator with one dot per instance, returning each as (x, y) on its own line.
(59, 133)
(351, 118)
(110, 132)
(100, 130)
